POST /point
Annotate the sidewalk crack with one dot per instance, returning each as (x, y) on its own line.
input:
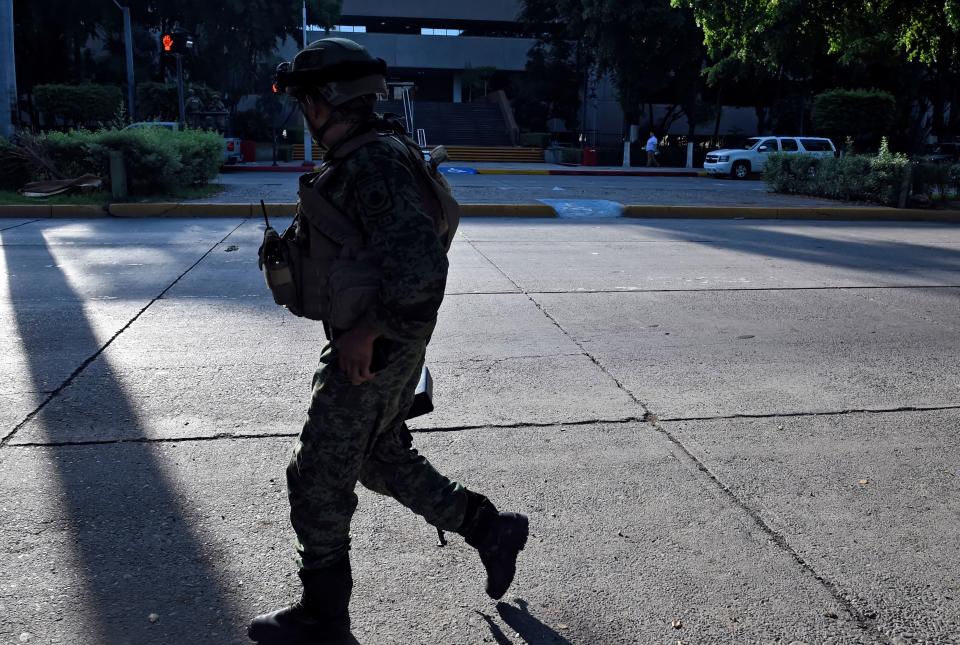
(90, 359)
(865, 623)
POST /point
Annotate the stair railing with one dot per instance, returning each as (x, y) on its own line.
(407, 108)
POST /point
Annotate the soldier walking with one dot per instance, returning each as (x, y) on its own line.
(363, 389)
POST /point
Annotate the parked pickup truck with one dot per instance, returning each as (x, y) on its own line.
(739, 163)
(231, 145)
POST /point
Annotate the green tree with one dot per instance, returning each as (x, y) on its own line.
(649, 48)
(233, 39)
(771, 46)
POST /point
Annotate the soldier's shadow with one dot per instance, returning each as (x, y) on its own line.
(530, 629)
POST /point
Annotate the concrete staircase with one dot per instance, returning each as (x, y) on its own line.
(495, 154)
(456, 124)
(470, 131)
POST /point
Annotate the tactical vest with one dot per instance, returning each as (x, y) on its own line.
(320, 268)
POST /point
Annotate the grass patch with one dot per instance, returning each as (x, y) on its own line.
(102, 198)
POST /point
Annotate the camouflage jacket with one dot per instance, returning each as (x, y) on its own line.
(375, 187)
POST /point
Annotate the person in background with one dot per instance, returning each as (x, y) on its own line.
(652, 151)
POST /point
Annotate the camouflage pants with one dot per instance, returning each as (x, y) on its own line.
(357, 433)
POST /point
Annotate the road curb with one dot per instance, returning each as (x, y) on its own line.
(512, 171)
(627, 173)
(793, 213)
(177, 209)
(507, 210)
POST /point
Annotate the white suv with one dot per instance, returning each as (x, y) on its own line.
(739, 163)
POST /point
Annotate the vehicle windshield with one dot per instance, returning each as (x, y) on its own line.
(751, 143)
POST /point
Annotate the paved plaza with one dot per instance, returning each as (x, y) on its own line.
(722, 431)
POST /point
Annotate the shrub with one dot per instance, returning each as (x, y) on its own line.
(157, 160)
(868, 178)
(76, 153)
(845, 178)
(200, 153)
(930, 178)
(82, 104)
(786, 173)
(887, 172)
(153, 161)
(863, 115)
(160, 101)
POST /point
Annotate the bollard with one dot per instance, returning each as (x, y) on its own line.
(118, 175)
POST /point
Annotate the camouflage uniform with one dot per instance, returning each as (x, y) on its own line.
(357, 432)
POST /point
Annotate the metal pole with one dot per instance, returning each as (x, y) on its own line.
(128, 43)
(307, 137)
(183, 111)
(9, 110)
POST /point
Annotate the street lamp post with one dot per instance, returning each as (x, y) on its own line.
(8, 71)
(128, 43)
(307, 137)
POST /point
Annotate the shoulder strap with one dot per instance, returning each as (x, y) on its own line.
(348, 147)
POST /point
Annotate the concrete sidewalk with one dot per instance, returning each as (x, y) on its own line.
(722, 431)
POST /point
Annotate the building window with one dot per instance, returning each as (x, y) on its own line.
(349, 29)
(430, 31)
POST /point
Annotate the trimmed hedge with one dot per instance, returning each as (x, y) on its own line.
(158, 160)
(864, 115)
(877, 179)
(78, 104)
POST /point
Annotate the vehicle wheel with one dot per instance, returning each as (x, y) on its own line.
(740, 170)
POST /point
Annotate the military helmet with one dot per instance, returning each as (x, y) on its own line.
(338, 69)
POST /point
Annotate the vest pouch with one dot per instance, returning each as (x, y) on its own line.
(354, 290)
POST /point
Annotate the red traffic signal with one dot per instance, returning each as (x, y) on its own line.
(176, 42)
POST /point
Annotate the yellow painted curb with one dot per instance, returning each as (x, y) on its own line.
(508, 171)
(699, 212)
(78, 211)
(25, 210)
(507, 210)
(173, 209)
(795, 213)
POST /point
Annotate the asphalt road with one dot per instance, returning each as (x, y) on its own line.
(748, 427)
(508, 189)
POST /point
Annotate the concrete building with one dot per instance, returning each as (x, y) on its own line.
(433, 43)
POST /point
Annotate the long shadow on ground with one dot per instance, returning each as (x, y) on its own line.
(135, 552)
(769, 240)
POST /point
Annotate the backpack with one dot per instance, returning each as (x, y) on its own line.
(318, 268)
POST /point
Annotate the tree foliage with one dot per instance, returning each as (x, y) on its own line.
(234, 38)
(649, 48)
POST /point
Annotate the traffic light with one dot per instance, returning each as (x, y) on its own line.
(176, 42)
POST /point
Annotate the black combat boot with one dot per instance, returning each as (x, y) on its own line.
(319, 617)
(498, 537)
